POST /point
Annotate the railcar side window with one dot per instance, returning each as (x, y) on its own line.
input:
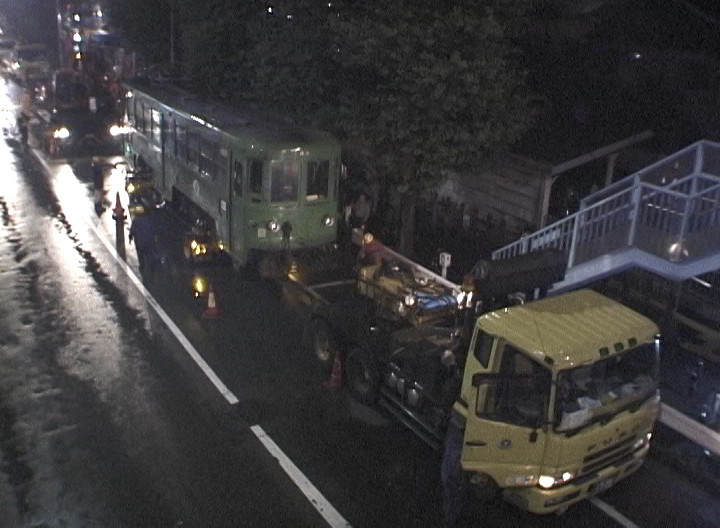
(238, 178)
(318, 180)
(284, 181)
(140, 115)
(147, 116)
(255, 172)
(156, 126)
(193, 148)
(222, 162)
(208, 158)
(181, 142)
(170, 135)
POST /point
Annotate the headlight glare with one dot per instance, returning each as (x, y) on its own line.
(61, 133)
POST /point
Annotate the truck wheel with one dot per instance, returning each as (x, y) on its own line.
(361, 375)
(321, 346)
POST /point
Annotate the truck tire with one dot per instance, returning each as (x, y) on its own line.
(320, 345)
(362, 376)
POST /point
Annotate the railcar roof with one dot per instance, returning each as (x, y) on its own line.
(228, 118)
(571, 329)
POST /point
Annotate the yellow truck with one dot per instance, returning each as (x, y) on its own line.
(545, 403)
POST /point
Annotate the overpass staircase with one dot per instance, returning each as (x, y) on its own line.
(664, 218)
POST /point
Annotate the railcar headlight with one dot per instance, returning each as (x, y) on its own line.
(328, 221)
(118, 130)
(61, 133)
(274, 226)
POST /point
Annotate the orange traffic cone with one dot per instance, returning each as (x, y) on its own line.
(336, 374)
(213, 311)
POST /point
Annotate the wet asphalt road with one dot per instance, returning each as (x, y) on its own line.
(106, 421)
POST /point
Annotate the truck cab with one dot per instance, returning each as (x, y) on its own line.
(555, 399)
(559, 398)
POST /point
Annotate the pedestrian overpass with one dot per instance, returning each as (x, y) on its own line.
(664, 218)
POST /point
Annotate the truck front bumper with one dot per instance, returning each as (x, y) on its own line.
(542, 501)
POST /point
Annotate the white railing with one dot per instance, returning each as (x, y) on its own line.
(670, 209)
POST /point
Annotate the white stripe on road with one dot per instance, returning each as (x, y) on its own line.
(613, 513)
(324, 508)
(189, 348)
(187, 345)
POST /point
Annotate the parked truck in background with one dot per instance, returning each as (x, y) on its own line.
(554, 400)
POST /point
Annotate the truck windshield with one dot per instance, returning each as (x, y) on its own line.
(597, 392)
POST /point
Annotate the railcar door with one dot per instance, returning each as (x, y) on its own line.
(237, 210)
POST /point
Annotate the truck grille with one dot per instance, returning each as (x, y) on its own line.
(609, 456)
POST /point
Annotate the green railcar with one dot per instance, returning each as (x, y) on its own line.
(265, 185)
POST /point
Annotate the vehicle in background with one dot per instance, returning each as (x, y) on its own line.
(259, 187)
(548, 402)
(29, 63)
(78, 118)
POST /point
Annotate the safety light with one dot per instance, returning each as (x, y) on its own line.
(61, 133)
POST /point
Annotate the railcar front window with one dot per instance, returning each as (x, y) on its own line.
(599, 391)
(284, 181)
(318, 180)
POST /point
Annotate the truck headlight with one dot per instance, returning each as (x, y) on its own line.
(548, 481)
(274, 226)
(61, 133)
(642, 441)
(328, 221)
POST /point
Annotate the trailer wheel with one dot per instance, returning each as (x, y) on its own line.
(362, 375)
(320, 341)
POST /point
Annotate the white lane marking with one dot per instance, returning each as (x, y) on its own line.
(613, 513)
(189, 348)
(324, 508)
(319, 502)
